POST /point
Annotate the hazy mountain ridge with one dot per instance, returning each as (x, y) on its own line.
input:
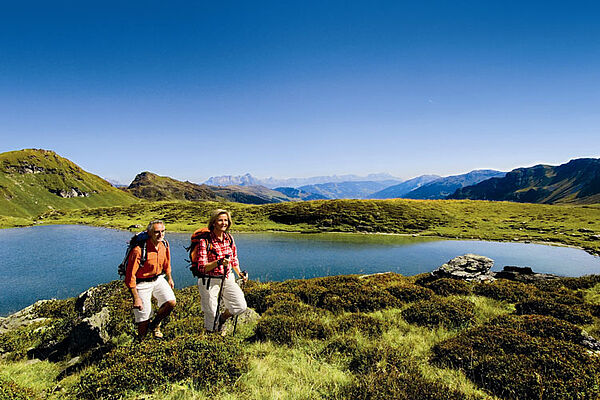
(249, 180)
(577, 181)
(347, 190)
(33, 181)
(444, 187)
(399, 190)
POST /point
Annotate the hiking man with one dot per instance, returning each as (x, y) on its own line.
(147, 280)
(217, 256)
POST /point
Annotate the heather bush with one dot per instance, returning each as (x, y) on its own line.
(11, 391)
(576, 314)
(408, 293)
(148, 365)
(515, 365)
(397, 384)
(504, 290)
(275, 298)
(541, 326)
(362, 323)
(284, 329)
(448, 287)
(256, 295)
(452, 313)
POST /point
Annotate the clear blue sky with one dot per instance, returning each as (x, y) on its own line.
(295, 89)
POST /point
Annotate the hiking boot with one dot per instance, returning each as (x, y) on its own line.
(156, 331)
(221, 327)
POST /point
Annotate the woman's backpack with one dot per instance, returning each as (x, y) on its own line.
(197, 236)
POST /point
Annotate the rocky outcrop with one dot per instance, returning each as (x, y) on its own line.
(469, 267)
(21, 318)
(69, 193)
(472, 267)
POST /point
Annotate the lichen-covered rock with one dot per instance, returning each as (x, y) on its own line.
(470, 267)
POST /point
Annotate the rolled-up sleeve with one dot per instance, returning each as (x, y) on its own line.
(133, 264)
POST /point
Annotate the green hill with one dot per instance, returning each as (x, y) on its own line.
(153, 187)
(577, 182)
(33, 181)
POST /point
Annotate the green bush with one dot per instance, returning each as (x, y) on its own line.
(11, 391)
(55, 308)
(515, 365)
(541, 326)
(402, 384)
(379, 357)
(363, 323)
(150, 364)
(256, 295)
(452, 313)
(582, 282)
(293, 309)
(576, 314)
(284, 329)
(448, 287)
(408, 293)
(504, 290)
(279, 297)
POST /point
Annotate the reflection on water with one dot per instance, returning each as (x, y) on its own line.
(63, 260)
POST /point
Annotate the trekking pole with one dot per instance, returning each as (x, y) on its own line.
(218, 312)
(242, 285)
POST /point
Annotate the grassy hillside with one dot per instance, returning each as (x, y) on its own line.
(382, 336)
(150, 186)
(33, 181)
(576, 182)
(571, 225)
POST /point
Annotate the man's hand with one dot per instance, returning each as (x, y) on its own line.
(137, 303)
(171, 283)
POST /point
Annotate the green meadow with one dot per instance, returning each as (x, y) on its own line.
(382, 336)
(573, 225)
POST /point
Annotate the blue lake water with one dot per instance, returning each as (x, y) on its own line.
(62, 261)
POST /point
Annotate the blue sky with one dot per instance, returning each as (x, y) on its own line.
(296, 89)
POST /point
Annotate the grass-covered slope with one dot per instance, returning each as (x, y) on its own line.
(571, 225)
(382, 336)
(150, 186)
(33, 181)
(576, 182)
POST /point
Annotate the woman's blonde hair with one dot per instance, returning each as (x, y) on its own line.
(215, 214)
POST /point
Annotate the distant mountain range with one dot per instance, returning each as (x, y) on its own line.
(444, 187)
(33, 181)
(577, 181)
(249, 180)
(399, 190)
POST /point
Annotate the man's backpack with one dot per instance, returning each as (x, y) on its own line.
(197, 236)
(139, 239)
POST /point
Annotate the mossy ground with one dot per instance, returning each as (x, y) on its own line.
(331, 338)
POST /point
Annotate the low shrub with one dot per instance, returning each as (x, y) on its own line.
(505, 290)
(150, 364)
(576, 314)
(284, 329)
(379, 357)
(582, 282)
(408, 293)
(293, 309)
(11, 391)
(280, 297)
(256, 295)
(341, 345)
(448, 287)
(55, 308)
(362, 323)
(385, 280)
(541, 326)
(515, 365)
(403, 384)
(451, 313)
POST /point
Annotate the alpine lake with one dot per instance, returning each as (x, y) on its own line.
(60, 261)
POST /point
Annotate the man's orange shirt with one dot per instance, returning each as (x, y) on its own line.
(157, 261)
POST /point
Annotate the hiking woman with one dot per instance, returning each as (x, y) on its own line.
(217, 256)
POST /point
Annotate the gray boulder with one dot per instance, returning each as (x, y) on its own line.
(469, 267)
